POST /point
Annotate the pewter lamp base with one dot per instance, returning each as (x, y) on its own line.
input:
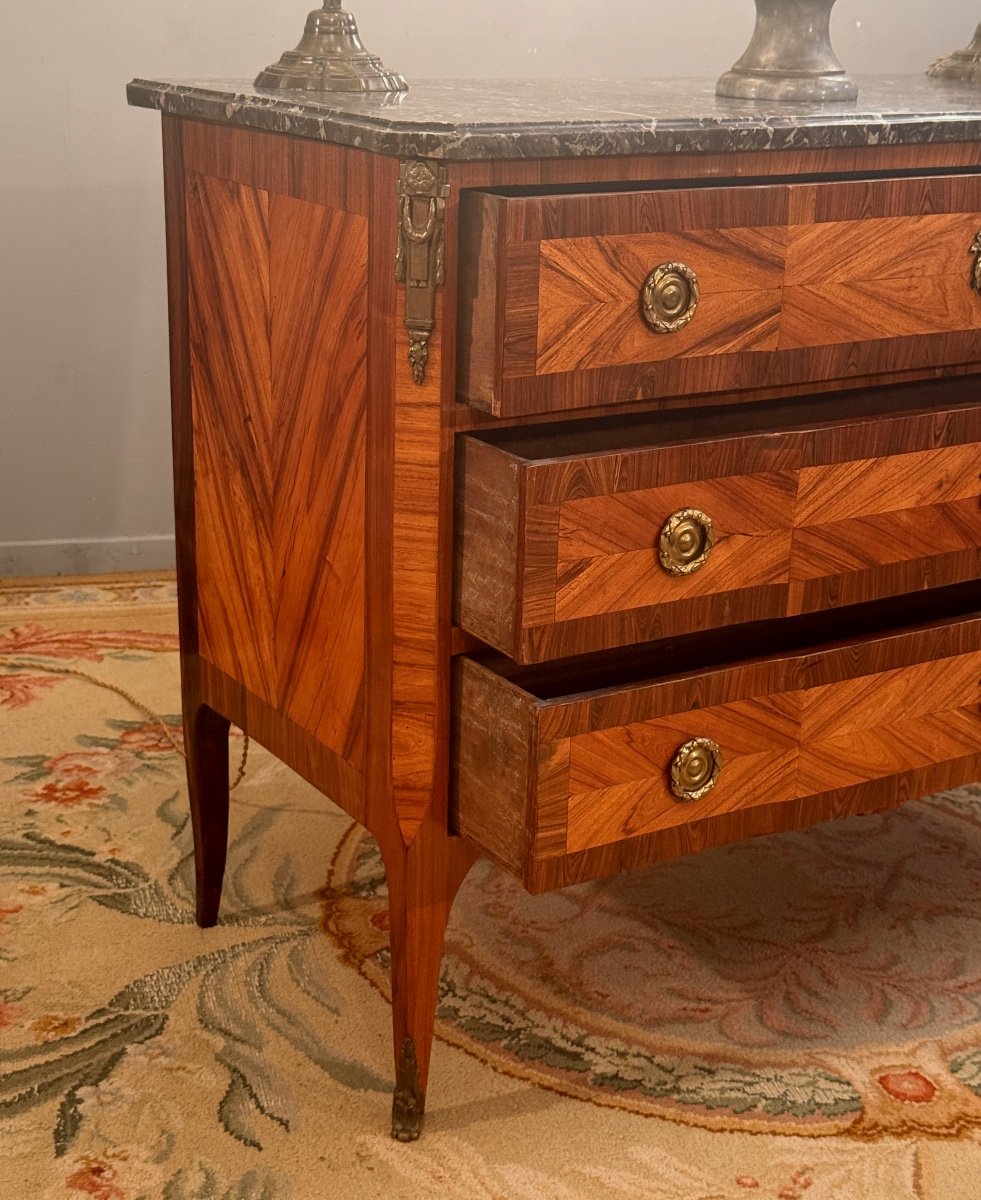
(790, 57)
(331, 58)
(964, 66)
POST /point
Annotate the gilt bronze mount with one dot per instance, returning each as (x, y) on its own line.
(420, 261)
(790, 56)
(669, 297)
(331, 58)
(963, 66)
(686, 541)
(695, 769)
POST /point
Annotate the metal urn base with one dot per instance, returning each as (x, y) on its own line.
(963, 65)
(331, 58)
(790, 56)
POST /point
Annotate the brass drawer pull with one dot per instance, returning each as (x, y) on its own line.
(669, 297)
(695, 769)
(976, 269)
(686, 541)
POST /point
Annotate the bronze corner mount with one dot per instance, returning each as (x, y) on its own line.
(420, 261)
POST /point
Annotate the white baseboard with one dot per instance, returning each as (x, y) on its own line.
(87, 556)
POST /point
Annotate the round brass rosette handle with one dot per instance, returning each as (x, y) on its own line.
(695, 769)
(686, 541)
(669, 297)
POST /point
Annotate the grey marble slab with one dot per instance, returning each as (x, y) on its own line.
(470, 120)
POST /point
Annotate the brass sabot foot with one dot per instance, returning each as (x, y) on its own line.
(408, 1103)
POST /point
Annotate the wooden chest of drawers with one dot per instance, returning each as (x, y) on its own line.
(577, 494)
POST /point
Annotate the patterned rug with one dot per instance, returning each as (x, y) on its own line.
(797, 1017)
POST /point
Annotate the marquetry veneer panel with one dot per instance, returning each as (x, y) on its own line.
(558, 533)
(588, 771)
(796, 277)
(277, 297)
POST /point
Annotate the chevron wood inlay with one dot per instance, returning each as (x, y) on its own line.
(838, 491)
(880, 711)
(278, 308)
(607, 545)
(228, 266)
(559, 534)
(319, 347)
(866, 542)
(902, 248)
(618, 779)
(806, 272)
(589, 290)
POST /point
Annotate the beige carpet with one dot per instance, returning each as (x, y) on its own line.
(798, 1018)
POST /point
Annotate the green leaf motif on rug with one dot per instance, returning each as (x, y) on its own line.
(608, 1063)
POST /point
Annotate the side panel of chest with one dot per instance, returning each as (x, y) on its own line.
(278, 313)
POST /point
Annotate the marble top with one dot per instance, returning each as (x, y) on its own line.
(470, 119)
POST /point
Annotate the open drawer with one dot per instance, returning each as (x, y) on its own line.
(595, 534)
(562, 774)
(577, 299)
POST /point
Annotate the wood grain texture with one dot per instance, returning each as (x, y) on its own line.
(792, 726)
(839, 510)
(619, 778)
(547, 874)
(318, 271)
(278, 313)
(417, 585)
(318, 173)
(816, 272)
(607, 546)
(588, 297)
(231, 378)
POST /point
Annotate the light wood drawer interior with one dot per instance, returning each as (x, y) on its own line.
(582, 764)
(561, 530)
(786, 282)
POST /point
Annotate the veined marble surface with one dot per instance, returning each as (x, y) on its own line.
(470, 119)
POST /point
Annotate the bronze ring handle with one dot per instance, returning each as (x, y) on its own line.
(976, 268)
(669, 297)
(695, 769)
(686, 541)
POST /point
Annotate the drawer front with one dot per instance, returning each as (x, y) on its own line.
(778, 284)
(600, 548)
(592, 778)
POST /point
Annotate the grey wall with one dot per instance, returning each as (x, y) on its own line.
(84, 438)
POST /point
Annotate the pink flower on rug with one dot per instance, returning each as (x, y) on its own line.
(97, 1178)
(18, 691)
(89, 766)
(150, 738)
(77, 765)
(909, 1086)
(69, 793)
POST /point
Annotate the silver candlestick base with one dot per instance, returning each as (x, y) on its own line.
(790, 56)
(331, 58)
(963, 65)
